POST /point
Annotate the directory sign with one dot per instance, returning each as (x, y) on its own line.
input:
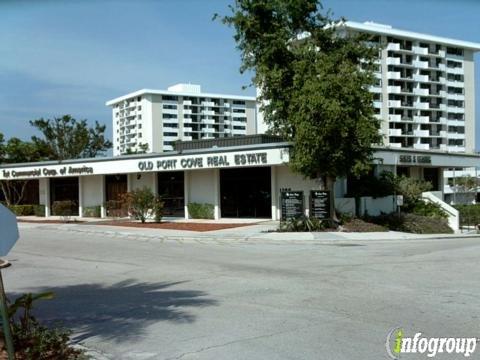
(320, 204)
(292, 204)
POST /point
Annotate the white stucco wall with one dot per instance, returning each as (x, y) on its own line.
(146, 180)
(92, 190)
(294, 182)
(202, 189)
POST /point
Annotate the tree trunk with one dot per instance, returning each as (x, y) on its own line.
(13, 191)
(330, 185)
(6, 192)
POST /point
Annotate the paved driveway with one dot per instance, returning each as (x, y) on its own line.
(139, 298)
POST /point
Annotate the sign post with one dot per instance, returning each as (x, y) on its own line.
(8, 238)
(320, 206)
(292, 204)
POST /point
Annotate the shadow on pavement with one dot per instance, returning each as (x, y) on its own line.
(119, 311)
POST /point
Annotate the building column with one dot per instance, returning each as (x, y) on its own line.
(80, 196)
(216, 194)
(186, 190)
(103, 210)
(47, 198)
(155, 183)
(129, 182)
(273, 191)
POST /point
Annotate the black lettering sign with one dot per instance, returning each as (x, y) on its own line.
(250, 159)
(217, 161)
(291, 204)
(320, 204)
(415, 159)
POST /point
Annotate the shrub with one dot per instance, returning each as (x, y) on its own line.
(201, 211)
(142, 203)
(412, 190)
(116, 208)
(359, 225)
(428, 209)
(92, 211)
(158, 210)
(412, 223)
(39, 210)
(63, 208)
(32, 340)
(469, 214)
(22, 210)
(302, 224)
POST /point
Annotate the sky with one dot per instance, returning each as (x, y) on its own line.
(71, 56)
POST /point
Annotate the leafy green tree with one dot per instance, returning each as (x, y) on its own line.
(67, 138)
(142, 149)
(314, 80)
(467, 183)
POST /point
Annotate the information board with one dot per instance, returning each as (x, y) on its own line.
(320, 204)
(292, 204)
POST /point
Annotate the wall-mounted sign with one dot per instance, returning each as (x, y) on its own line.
(149, 163)
(415, 159)
(47, 171)
(320, 204)
(291, 204)
(211, 161)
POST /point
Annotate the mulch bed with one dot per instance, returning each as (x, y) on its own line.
(359, 225)
(189, 226)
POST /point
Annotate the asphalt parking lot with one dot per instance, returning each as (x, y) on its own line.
(134, 298)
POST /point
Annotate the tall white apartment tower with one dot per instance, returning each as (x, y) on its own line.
(425, 91)
(158, 118)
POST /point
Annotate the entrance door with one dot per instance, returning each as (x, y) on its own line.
(246, 193)
(171, 190)
(115, 187)
(65, 189)
(431, 175)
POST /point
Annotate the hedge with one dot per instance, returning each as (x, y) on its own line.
(469, 214)
(63, 208)
(22, 210)
(92, 211)
(39, 210)
(201, 211)
(412, 223)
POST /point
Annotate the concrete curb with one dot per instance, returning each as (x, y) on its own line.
(297, 238)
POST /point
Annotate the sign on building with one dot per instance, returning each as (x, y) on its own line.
(320, 204)
(291, 204)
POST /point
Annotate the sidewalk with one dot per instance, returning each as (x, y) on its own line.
(264, 232)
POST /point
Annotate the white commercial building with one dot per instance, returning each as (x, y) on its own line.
(158, 118)
(240, 177)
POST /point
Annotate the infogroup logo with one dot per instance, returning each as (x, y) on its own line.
(398, 344)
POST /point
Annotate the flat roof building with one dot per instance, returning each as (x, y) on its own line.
(424, 94)
(155, 119)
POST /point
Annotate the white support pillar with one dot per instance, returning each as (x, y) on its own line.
(155, 183)
(129, 182)
(103, 210)
(186, 189)
(273, 191)
(216, 194)
(80, 196)
(47, 198)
